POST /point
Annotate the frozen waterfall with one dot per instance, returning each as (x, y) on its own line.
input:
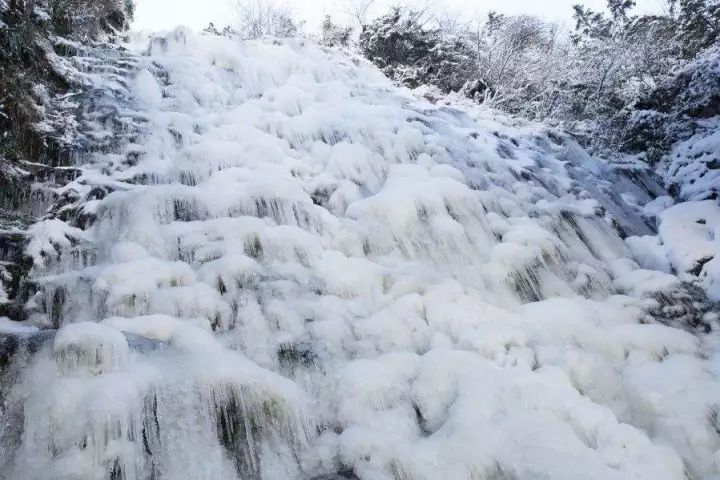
(274, 264)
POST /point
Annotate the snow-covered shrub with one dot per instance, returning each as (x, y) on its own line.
(519, 59)
(333, 35)
(681, 111)
(412, 52)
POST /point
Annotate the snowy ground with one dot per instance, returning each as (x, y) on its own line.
(339, 278)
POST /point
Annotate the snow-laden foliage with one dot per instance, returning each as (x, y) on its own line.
(409, 51)
(333, 35)
(684, 119)
(286, 267)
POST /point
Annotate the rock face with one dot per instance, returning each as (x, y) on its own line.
(47, 72)
(268, 262)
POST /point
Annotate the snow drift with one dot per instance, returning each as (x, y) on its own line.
(289, 268)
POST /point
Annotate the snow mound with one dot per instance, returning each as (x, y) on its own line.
(687, 244)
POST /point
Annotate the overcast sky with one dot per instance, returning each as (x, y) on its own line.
(166, 14)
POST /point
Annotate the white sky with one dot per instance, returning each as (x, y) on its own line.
(167, 14)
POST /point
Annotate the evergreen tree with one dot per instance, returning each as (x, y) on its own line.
(698, 25)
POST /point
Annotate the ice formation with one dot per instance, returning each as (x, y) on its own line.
(286, 267)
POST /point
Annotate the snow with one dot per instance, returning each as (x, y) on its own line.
(146, 89)
(692, 165)
(342, 277)
(9, 326)
(658, 205)
(650, 252)
(4, 278)
(49, 238)
(41, 14)
(90, 346)
(101, 397)
(686, 244)
(688, 238)
(689, 231)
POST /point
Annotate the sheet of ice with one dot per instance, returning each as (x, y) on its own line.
(349, 282)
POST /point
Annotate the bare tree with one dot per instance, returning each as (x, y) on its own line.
(264, 18)
(516, 58)
(359, 10)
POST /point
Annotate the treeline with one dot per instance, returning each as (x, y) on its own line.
(618, 80)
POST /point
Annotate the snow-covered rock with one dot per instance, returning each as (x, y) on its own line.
(692, 167)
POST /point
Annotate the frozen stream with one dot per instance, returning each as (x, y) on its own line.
(284, 267)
